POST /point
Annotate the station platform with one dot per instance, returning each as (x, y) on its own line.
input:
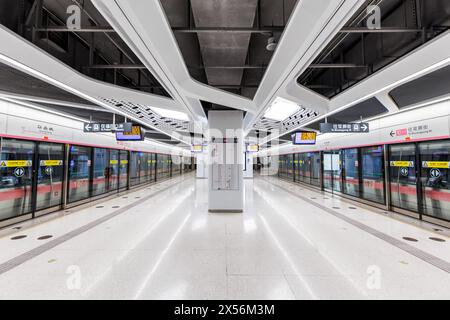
(160, 242)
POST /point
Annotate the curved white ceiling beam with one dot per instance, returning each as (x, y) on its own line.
(29, 98)
(311, 26)
(429, 57)
(304, 97)
(26, 57)
(36, 59)
(143, 26)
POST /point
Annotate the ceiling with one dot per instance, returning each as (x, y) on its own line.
(194, 56)
(100, 55)
(351, 57)
(215, 52)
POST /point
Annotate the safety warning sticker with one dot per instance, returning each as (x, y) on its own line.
(409, 164)
(50, 163)
(436, 164)
(15, 163)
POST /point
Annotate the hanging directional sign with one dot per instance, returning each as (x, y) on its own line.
(107, 127)
(19, 172)
(362, 127)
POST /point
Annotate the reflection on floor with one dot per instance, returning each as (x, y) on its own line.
(168, 246)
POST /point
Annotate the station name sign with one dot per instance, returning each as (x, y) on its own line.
(362, 127)
(107, 127)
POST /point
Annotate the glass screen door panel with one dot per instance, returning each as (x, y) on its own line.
(114, 170)
(123, 169)
(16, 171)
(373, 174)
(79, 173)
(100, 183)
(315, 168)
(328, 170)
(403, 179)
(435, 175)
(351, 172)
(50, 175)
(337, 171)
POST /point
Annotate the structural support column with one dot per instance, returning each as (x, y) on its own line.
(225, 178)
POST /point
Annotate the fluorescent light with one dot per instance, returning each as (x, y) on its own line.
(281, 109)
(171, 114)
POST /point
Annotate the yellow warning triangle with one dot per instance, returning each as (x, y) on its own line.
(3, 164)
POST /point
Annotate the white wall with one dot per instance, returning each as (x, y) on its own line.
(436, 118)
(21, 122)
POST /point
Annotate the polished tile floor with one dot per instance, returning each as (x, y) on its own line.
(169, 247)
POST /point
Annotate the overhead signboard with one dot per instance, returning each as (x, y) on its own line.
(362, 127)
(304, 137)
(107, 127)
(197, 148)
(252, 148)
(135, 134)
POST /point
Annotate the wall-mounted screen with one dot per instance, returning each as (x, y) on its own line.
(136, 134)
(304, 137)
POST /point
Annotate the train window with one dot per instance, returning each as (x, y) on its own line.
(351, 172)
(50, 175)
(372, 174)
(79, 173)
(101, 171)
(435, 175)
(402, 173)
(15, 177)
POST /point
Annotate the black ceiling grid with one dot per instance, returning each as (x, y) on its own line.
(101, 55)
(355, 53)
(224, 56)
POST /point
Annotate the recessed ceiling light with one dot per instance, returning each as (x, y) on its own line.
(281, 109)
(170, 114)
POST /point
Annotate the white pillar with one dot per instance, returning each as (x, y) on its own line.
(225, 150)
